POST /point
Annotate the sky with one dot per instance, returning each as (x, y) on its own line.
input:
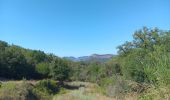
(78, 27)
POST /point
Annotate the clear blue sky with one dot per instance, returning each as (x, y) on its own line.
(78, 27)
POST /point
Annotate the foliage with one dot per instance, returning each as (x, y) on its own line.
(17, 63)
(43, 69)
(146, 59)
(17, 91)
(47, 87)
(161, 93)
(60, 70)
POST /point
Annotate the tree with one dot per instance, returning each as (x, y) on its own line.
(16, 63)
(60, 69)
(43, 69)
(146, 58)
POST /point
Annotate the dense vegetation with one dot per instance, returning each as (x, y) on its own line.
(17, 63)
(141, 66)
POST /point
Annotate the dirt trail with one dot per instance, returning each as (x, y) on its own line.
(87, 91)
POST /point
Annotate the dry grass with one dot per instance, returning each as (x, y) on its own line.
(15, 90)
(90, 91)
(161, 93)
(87, 91)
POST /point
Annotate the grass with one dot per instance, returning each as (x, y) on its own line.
(19, 90)
(160, 93)
(86, 91)
(24, 90)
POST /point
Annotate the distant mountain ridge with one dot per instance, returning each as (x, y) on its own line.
(93, 57)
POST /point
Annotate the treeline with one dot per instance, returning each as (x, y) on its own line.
(18, 63)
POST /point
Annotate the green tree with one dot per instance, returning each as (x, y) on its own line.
(43, 69)
(60, 69)
(145, 59)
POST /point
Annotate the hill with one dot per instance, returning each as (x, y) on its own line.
(93, 57)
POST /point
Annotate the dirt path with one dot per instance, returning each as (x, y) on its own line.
(87, 91)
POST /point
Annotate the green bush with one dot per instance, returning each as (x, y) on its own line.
(60, 70)
(17, 91)
(0, 84)
(146, 58)
(43, 69)
(47, 87)
(160, 93)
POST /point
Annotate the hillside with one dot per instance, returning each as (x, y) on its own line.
(93, 57)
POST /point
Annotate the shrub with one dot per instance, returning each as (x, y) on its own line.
(161, 93)
(43, 69)
(60, 70)
(47, 87)
(17, 91)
